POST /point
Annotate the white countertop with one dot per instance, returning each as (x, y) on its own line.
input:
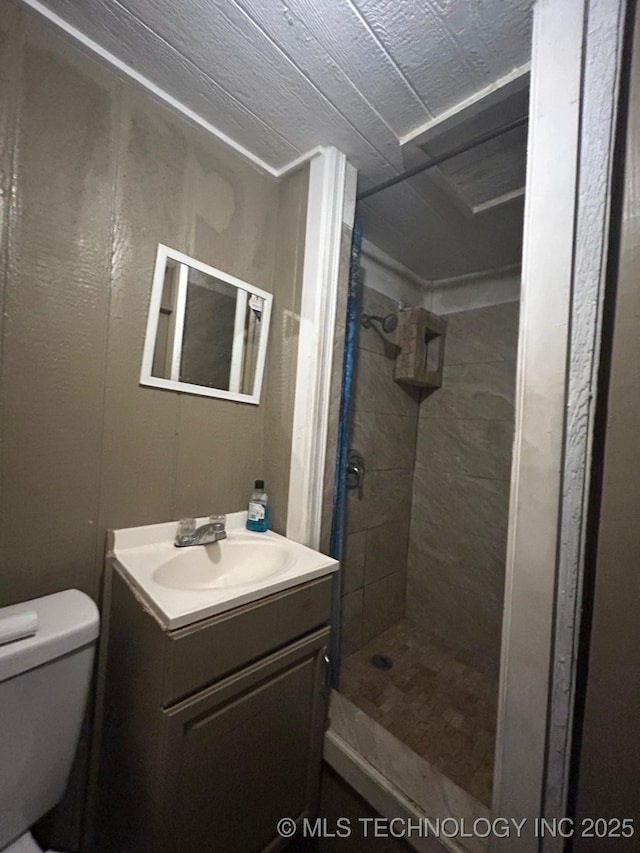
(141, 552)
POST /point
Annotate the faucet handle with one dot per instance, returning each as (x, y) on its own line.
(186, 527)
(218, 520)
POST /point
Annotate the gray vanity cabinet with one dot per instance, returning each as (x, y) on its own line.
(245, 753)
(214, 732)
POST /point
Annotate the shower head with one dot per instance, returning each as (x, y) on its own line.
(387, 323)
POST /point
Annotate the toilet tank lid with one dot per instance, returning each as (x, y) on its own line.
(66, 621)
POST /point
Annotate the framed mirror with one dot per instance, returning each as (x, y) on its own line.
(206, 330)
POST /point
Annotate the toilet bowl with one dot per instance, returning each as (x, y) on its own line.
(25, 844)
(45, 673)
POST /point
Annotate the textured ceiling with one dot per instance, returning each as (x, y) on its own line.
(282, 76)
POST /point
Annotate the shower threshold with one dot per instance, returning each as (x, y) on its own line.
(399, 783)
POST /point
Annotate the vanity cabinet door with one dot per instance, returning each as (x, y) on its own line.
(246, 752)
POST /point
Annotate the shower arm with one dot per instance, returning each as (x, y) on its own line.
(391, 350)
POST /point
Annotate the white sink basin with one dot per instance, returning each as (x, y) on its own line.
(239, 560)
(184, 585)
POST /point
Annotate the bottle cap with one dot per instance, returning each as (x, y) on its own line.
(259, 484)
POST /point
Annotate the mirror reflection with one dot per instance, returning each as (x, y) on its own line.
(206, 332)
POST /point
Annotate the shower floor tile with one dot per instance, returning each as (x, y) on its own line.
(439, 707)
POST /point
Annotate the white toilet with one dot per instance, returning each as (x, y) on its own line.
(46, 657)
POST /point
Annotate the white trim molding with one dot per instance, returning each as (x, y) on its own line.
(381, 794)
(554, 128)
(173, 382)
(167, 98)
(512, 83)
(388, 276)
(603, 60)
(325, 211)
(577, 48)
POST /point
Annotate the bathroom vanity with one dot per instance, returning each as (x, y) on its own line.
(212, 729)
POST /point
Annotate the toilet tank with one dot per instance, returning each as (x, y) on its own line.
(44, 684)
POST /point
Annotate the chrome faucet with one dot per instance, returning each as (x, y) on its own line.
(211, 531)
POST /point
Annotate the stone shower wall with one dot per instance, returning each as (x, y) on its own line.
(460, 502)
(383, 425)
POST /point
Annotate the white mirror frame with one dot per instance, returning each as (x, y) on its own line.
(164, 254)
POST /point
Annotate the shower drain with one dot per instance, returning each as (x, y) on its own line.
(382, 661)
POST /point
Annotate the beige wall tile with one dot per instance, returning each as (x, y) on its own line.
(457, 615)
(482, 335)
(477, 504)
(475, 448)
(450, 477)
(351, 622)
(471, 559)
(457, 547)
(383, 427)
(390, 496)
(480, 391)
(384, 604)
(385, 441)
(386, 497)
(352, 564)
(358, 509)
(386, 549)
(372, 302)
(374, 389)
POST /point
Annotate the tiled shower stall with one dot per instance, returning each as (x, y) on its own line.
(424, 557)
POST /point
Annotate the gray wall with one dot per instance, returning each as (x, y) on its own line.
(459, 513)
(384, 419)
(280, 372)
(610, 750)
(94, 173)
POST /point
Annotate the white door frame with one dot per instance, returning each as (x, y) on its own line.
(325, 206)
(576, 60)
